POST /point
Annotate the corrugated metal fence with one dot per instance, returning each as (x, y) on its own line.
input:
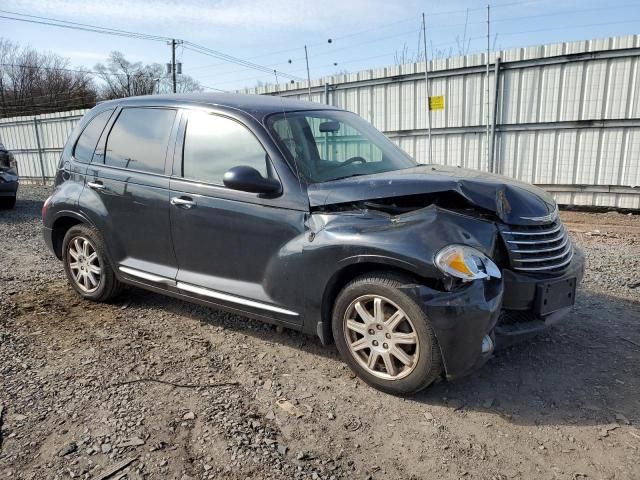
(565, 116)
(37, 142)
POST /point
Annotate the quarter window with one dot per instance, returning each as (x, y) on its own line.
(214, 144)
(86, 145)
(139, 139)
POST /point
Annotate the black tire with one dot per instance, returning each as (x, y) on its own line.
(108, 285)
(423, 371)
(8, 202)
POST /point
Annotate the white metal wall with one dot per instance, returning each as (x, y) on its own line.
(568, 116)
(36, 142)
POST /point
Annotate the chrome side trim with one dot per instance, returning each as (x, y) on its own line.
(231, 298)
(147, 276)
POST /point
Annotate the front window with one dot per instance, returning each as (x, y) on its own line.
(328, 145)
(214, 144)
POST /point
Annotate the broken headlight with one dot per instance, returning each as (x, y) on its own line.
(466, 262)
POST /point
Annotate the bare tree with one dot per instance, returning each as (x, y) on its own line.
(122, 78)
(184, 84)
(404, 56)
(32, 82)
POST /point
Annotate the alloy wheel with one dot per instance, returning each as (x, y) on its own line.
(381, 337)
(84, 264)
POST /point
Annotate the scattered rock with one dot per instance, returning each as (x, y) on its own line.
(68, 449)
(622, 419)
(132, 442)
(189, 416)
(288, 407)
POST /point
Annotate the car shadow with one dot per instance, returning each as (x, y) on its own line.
(582, 371)
(26, 209)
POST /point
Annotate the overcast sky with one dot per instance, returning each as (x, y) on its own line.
(364, 33)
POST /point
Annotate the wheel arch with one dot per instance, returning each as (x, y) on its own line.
(355, 267)
(61, 225)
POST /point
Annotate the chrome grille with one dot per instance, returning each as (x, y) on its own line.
(538, 248)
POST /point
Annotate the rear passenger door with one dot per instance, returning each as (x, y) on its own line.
(232, 247)
(127, 191)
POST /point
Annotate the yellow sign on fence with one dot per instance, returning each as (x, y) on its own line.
(436, 103)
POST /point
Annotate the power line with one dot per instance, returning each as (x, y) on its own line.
(214, 88)
(223, 56)
(73, 26)
(376, 28)
(90, 72)
(124, 33)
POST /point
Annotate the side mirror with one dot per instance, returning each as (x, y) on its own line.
(248, 179)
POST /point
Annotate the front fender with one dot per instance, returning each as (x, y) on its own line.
(407, 242)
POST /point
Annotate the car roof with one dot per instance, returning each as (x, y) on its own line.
(258, 106)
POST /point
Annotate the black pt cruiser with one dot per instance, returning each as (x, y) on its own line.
(306, 216)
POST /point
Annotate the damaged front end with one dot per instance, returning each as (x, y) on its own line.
(490, 298)
(403, 234)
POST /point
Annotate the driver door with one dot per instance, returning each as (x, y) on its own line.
(230, 244)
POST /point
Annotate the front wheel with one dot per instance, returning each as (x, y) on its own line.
(385, 336)
(86, 265)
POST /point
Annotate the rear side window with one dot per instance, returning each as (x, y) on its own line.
(86, 144)
(139, 139)
(214, 144)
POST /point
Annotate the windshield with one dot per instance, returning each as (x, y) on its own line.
(327, 145)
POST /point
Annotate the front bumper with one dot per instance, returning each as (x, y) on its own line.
(8, 184)
(518, 322)
(462, 318)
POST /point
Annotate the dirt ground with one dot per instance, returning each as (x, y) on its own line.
(81, 393)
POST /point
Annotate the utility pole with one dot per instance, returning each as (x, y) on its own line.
(488, 90)
(426, 85)
(306, 57)
(173, 64)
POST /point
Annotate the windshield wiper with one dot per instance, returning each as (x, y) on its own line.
(349, 176)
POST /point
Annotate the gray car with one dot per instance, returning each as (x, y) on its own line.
(306, 216)
(8, 178)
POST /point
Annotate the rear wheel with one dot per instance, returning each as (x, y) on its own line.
(385, 336)
(86, 265)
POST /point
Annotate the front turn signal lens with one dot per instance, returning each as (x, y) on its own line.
(467, 263)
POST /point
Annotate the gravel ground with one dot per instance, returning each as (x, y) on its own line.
(151, 387)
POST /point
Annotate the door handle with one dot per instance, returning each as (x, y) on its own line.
(95, 185)
(183, 202)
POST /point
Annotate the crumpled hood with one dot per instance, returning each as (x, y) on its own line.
(514, 202)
